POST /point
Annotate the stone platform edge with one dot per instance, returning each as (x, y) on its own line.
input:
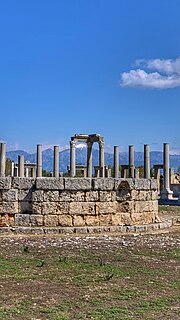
(91, 230)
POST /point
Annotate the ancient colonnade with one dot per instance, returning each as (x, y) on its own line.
(36, 169)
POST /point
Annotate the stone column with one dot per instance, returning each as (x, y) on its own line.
(72, 158)
(39, 161)
(26, 172)
(116, 162)
(101, 158)
(131, 161)
(56, 162)
(16, 171)
(12, 169)
(137, 173)
(2, 159)
(89, 159)
(21, 166)
(166, 192)
(146, 162)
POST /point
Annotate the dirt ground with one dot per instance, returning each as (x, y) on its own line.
(110, 276)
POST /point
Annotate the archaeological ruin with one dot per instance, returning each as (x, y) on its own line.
(92, 203)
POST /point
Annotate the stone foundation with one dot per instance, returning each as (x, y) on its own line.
(77, 202)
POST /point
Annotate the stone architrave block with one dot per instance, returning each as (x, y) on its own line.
(65, 220)
(25, 195)
(106, 207)
(51, 196)
(122, 181)
(103, 184)
(5, 183)
(36, 220)
(91, 220)
(77, 196)
(62, 208)
(51, 220)
(23, 183)
(38, 196)
(10, 207)
(22, 220)
(142, 184)
(154, 184)
(49, 183)
(91, 196)
(49, 208)
(78, 221)
(10, 195)
(82, 184)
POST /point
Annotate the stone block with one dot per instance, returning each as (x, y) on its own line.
(10, 195)
(25, 195)
(77, 196)
(126, 218)
(75, 208)
(78, 221)
(64, 196)
(65, 220)
(23, 183)
(49, 208)
(105, 196)
(5, 183)
(5, 220)
(62, 208)
(77, 183)
(51, 196)
(137, 217)
(145, 206)
(10, 207)
(49, 183)
(22, 220)
(116, 219)
(103, 184)
(88, 208)
(38, 196)
(36, 220)
(121, 182)
(154, 184)
(79, 208)
(104, 219)
(36, 207)
(91, 196)
(51, 220)
(91, 220)
(142, 184)
(126, 206)
(105, 207)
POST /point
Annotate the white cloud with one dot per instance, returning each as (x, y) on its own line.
(166, 74)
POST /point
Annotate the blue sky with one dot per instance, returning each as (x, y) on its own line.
(79, 66)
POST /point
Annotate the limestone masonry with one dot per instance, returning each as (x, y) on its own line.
(77, 202)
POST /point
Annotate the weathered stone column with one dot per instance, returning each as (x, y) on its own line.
(39, 161)
(56, 162)
(26, 172)
(21, 166)
(72, 158)
(89, 159)
(116, 162)
(166, 192)
(101, 158)
(137, 173)
(131, 161)
(12, 169)
(146, 162)
(2, 159)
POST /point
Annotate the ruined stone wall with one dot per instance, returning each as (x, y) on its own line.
(77, 202)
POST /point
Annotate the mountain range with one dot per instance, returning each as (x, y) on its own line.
(156, 157)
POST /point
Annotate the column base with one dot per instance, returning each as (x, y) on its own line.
(166, 194)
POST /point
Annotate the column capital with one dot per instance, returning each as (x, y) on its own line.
(72, 144)
(101, 144)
